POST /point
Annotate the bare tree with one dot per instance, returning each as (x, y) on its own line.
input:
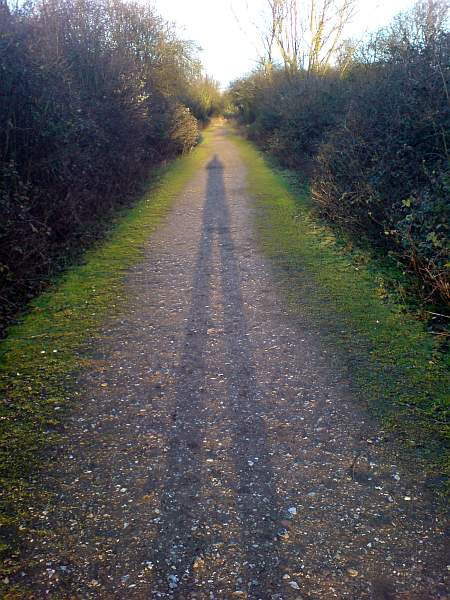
(308, 33)
(264, 24)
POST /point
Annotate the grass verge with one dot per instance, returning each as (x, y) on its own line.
(393, 361)
(43, 352)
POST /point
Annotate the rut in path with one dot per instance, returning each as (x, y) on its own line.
(215, 462)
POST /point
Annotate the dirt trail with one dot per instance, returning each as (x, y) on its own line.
(211, 456)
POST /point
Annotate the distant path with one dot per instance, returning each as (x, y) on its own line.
(211, 457)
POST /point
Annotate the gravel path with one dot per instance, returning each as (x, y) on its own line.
(217, 453)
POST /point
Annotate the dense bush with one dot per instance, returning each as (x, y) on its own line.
(93, 93)
(204, 98)
(378, 134)
(288, 114)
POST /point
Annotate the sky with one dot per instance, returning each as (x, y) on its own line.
(228, 51)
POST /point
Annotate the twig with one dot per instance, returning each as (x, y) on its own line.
(437, 314)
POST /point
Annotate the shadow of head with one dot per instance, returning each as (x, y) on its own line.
(215, 163)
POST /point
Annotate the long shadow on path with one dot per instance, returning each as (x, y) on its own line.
(183, 533)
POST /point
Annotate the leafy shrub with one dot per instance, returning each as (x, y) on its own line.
(377, 135)
(288, 114)
(383, 172)
(92, 95)
(204, 99)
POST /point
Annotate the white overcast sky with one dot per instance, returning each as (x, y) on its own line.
(227, 51)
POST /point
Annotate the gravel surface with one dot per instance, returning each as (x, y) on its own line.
(218, 452)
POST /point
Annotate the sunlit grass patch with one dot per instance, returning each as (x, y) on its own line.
(52, 341)
(393, 360)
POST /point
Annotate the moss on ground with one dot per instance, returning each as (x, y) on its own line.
(393, 360)
(43, 352)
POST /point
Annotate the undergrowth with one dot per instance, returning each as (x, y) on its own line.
(43, 352)
(394, 362)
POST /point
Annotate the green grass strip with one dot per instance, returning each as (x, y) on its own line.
(51, 343)
(392, 359)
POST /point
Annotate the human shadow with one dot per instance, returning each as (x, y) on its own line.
(256, 500)
(252, 481)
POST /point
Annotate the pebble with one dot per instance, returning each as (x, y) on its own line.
(173, 581)
(198, 563)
